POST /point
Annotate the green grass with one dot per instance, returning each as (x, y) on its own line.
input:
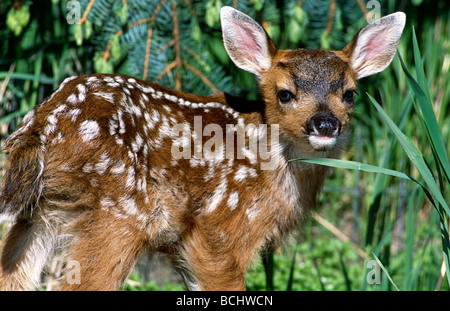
(413, 148)
(134, 283)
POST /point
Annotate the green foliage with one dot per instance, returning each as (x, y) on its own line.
(134, 283)
(17, 19)
(178, 43)
(316, 265)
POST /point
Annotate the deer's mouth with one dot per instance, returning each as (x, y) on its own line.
(323, 129)
(322, 143)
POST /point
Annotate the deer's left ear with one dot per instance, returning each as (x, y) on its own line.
(246, 42)
(374, 46)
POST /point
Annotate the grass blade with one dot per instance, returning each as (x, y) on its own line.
(419, 66)
(356, 166)
(26, 76)
(291, 272)
(372, 169)
(414, 155)
(385, 272)
(429, 120)
(348, 283)
(268, 268)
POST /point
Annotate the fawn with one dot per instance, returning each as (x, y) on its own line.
(99, 171)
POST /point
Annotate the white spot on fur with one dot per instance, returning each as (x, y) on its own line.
(103, 164)
(58, 139)
(72, 99)
(217, 195)
(243, 172)
(119, 141)
(156, 117)
(122, 128)
(126, 90)
(144, 97)
(128, 206)
(233, 200)
(119, 168)
(252, 212)
(158, 95)
(74, 114)
(51, 125)
(130, 178)
(81, 92)
(252, 172)
(172, 98)
(108, 96)
(28, 120)
(211, 172)
(150, 124)
(89, 130)
(108, 79)
(88, 168)
(53, 120)
(112, 126)
(59, 109)
(92, 80)
(119, 79)
(137, 145)
(107, 203)
(146, 89)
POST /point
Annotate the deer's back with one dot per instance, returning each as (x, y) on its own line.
(107, 143)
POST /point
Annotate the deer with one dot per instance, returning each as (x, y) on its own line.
(110, 166)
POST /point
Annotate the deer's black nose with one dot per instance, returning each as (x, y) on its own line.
(324, 124)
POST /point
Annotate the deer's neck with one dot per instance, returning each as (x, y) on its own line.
(298, 182)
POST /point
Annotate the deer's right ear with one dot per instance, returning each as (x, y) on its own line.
(246, 42)
(374, 47)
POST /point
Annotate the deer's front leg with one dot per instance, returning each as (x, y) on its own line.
(208, 263)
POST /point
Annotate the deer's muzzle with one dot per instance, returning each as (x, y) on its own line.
(323, 129)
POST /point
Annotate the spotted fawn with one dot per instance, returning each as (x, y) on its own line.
(110, 166)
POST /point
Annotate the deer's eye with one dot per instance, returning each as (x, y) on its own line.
(284, 96)
(349, 96)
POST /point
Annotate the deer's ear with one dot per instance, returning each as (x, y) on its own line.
(374, 46)
(246, 42)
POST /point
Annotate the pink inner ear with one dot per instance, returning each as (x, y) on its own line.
(377, 44)
(249, 42)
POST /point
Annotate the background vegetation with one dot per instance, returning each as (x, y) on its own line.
(363, 216)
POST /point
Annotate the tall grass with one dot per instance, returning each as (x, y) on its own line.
(407, 142)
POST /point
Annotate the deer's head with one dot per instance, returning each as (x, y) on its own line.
(310, 93)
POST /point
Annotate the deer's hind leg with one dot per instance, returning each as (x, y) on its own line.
(103, 253)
